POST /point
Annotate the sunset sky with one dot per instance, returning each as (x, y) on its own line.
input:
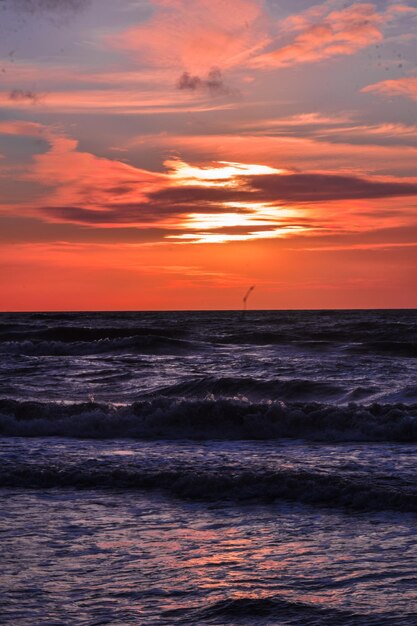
(168, 154)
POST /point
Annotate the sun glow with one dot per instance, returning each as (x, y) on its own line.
(220, 174)
(226, 220)
(213, 237)
(230, 220)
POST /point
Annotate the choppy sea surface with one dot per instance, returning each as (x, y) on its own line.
(208, 468)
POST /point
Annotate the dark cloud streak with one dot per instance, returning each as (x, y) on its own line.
(21, 95)
(213, 83)
(323, 188)
(178, 202)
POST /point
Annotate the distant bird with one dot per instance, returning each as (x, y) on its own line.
(245, 300)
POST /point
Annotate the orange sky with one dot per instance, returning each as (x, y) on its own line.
(167, 154)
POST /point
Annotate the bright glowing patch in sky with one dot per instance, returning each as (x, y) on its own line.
(221, 173)
(213, 237)
(249, 216)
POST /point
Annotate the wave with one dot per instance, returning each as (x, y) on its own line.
(117, 340)
(231, 386)
(142, 344)
(392, 339)
(282, 609)
(205, 419)
(388, 348)
(260, 337)
(71, 334)
(361, 492)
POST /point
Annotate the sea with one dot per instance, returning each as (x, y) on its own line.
(176, 468)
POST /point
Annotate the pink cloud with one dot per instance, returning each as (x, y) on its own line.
(340, 128)
(78, 178)
(321, 34)
(195, 35)
(294, 152)
(406, 86)
(23, 128)
(110, 100)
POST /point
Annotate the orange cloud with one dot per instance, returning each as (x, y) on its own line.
(184, 51)
(195, 35)
(317, 35)
(22, 128)
(215, 202)
(110, 101)
(406, 86)
(338, 128)
(43, 74)
(73, 177)
(291, 152)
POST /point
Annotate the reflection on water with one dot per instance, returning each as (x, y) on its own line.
(116, 558)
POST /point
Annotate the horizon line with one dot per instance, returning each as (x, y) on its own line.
(237, 310)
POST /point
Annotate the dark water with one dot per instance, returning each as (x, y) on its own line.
(197, 468)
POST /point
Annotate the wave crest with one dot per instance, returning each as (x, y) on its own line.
(209, 418)
(280, 608)
(151, 344)
(200, 483)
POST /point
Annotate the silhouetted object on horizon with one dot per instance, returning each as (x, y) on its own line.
(245, 300)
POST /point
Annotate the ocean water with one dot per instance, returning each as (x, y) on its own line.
(204, 468)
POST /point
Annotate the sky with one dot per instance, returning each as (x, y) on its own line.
(168, 154)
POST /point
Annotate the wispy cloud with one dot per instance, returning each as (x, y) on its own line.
(127, 101)
(198, 34)
(195, 35)
(300, 151)
(342, 128)
(406, 87)
(322, 33)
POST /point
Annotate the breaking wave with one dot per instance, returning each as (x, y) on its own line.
(209, 418)
(277, 389)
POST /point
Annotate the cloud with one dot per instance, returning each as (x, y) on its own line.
(254, 207)
(257, 196)
(186, 81)
(299, 152)
(23, 128)
(213, 83)
(320, 33)
(406, 87)
(336, 129)
(386, 134)
(210, 202)
(125, 101)
(302, 188)
(75, 178)
(21, 95)
(195, 35)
